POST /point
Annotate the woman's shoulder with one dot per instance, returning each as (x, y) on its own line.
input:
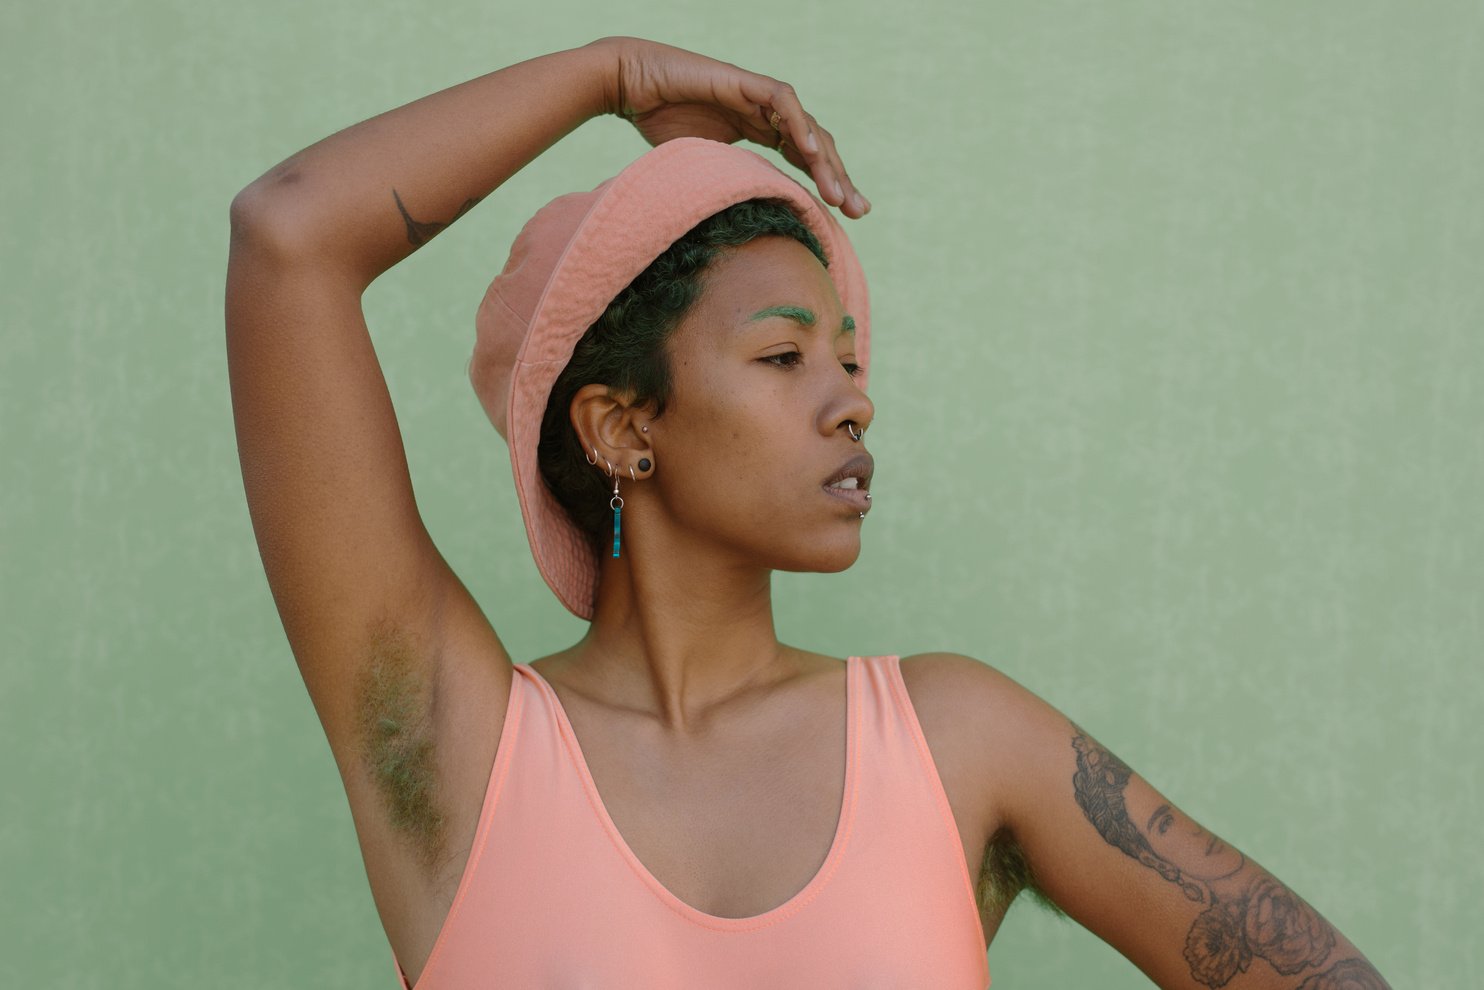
(959, 702)
(959, 675)
(949, 676)
(950, 684)
(978, 709)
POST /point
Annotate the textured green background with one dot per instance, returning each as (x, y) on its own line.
(1178, 314)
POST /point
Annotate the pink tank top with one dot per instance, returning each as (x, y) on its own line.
(553, 898)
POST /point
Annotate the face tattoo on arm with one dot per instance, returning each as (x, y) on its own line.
(1249, 913)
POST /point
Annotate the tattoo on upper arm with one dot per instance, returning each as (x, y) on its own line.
(419, 232)
(1248, 912)
(1099, 785)
(1347, 974)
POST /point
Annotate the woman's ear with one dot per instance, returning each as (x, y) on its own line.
(609, 422)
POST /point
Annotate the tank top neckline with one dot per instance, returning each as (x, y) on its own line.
(694, 914)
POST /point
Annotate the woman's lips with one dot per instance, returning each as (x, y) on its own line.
(853, 496)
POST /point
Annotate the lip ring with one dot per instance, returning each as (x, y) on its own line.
(858, 499)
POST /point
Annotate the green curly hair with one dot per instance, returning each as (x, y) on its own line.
(625, 349)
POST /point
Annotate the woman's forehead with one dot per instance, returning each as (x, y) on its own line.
(770, 278)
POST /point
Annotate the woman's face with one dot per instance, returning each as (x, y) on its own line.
(757, 419)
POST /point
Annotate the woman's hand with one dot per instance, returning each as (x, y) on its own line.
(668, 92)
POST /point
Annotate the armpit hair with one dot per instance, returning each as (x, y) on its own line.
(1006, 872)
(396, 738)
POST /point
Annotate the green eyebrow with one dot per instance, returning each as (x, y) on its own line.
(801, 316)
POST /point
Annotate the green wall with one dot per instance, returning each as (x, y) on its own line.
(1179, 323)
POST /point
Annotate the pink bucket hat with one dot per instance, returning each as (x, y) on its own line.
(569, 261)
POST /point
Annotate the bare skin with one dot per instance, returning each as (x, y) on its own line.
(685, 703)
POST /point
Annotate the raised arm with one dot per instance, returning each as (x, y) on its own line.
(408, 678)
(1185, 907)
(350, 564)
(371, 194)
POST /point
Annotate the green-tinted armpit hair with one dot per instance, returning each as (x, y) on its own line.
(1006, 873)
(625, 348)
(396, 740)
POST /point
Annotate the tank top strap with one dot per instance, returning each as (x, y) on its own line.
(515, 709)
(901, 732)
(908, 804)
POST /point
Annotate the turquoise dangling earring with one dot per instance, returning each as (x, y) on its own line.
(616, 504)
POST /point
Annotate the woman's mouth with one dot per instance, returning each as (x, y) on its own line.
(853, 496)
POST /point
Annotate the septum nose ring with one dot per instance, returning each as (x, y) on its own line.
(856, 437)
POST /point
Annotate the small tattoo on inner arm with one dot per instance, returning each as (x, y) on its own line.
(419, 232)
(1249, 913)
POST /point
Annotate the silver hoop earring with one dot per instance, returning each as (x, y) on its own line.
(595, 456)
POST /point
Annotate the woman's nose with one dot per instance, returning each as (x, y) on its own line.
(857, 415)
(847, 407)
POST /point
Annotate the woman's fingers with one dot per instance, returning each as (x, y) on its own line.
(853, 203)
(830, 174)
(668, 92)
(809, 146)
(794, 123)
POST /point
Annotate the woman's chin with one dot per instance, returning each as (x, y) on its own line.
(838, 555)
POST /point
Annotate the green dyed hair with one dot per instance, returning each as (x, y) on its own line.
(625, 349)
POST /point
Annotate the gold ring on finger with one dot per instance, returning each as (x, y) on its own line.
(776, 119)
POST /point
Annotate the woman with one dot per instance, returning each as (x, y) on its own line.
(678, 799)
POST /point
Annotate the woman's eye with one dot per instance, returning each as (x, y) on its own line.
(854, 370)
